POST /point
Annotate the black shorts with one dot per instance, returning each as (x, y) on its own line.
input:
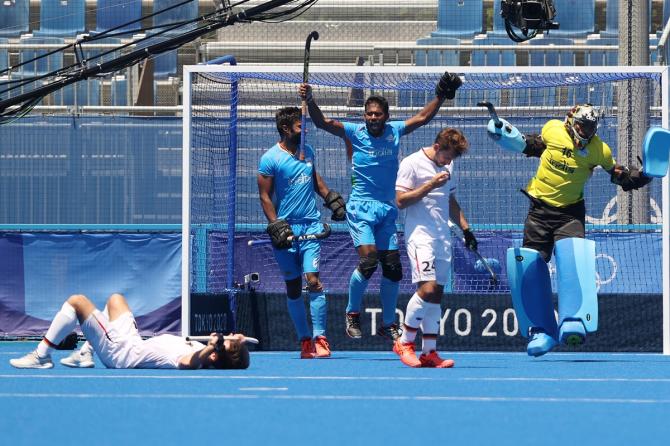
(546, 224)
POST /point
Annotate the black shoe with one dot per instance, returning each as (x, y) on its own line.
(391, 332)
(353, 321)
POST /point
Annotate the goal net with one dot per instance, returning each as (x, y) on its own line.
(229, 123)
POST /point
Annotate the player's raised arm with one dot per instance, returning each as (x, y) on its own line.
(445, 89)
(332, 126)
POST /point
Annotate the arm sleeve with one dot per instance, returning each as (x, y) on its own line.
(406, 179)
(399, 126)
(607, 161)
(350, 129)
(266, 166)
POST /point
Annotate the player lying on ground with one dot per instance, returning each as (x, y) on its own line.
(371, 210)
(112, 334)
(292, 182)
(569, 151)
(426, 187)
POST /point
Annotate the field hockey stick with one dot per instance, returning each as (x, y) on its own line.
(245, 339)
(492, 112)
(295, 238)
(305, 78)
(493, 278)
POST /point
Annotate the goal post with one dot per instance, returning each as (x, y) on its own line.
(229, 123)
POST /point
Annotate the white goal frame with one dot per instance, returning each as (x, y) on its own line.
(189, 70)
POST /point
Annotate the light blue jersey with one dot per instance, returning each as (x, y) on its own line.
(293, 198)
(375, 160)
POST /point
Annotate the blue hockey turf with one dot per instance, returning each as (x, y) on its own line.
(354, 398)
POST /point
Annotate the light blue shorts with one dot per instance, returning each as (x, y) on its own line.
(301, 257)
(373, 223)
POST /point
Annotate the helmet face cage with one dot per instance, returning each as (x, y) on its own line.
(583, 121)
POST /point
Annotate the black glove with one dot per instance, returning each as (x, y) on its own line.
(447, 86)
(279, 232)
(335, 203)
(630, 179)
(470, 240)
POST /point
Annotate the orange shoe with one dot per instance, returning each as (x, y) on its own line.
(322, 347)
(432, 359)
(307, 349)
(407, 353)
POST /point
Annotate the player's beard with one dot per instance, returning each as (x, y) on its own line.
(375, 128)
(294, 140)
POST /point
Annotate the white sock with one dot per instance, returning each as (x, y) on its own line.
(416, 308)
(430, 326)
(62, 324)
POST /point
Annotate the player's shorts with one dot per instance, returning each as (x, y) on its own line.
(114, 342)
(430, 260)
(301, 257)
(372, 222)
(546, 224)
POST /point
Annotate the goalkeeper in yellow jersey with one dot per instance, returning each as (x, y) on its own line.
(569, 151)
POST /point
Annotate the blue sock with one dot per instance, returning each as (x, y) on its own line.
(318, 306)
(357, 286)
(296, 308)
(388, 291)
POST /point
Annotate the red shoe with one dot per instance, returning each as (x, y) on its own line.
(432, 359)
(407, 353)
(307, 349)
(322, 347)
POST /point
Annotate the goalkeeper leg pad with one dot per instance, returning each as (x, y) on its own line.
(577, 295)
(656, 152)
(508, 136)
(529, 283)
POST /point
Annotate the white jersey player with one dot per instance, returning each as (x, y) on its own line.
(426, 188)
(114, 337)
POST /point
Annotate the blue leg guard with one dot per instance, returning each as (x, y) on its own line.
(529, 282)
(577, 296)
(656, 152)
(508, 136)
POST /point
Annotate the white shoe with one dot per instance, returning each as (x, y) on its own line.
(79, 359)
(32, 361)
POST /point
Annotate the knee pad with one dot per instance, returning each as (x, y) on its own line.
(530, 285)
(391, 267)
(576, 271)
(368, 265)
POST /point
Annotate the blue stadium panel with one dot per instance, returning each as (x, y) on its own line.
(601, 57)
(458, 18)
(14, 18)
(62, 18)
(4, 55)
(576, 17)
(165, 65)
(86, 92)
(113, 13)
(549, 57)
(498, 21)
(45, 64)
(494, 58)
(119, 91)
(438, 57)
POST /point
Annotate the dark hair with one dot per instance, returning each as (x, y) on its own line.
(379, 100)
(287, 116)
(451, 138)
(236, 356)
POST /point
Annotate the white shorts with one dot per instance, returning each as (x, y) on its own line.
(430, 260)
(117, 342)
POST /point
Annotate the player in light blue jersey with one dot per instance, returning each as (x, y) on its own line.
(371, 210)
(286, 187)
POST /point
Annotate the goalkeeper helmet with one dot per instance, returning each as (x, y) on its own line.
(582, 123)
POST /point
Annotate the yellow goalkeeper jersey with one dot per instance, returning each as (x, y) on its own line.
(563, 171)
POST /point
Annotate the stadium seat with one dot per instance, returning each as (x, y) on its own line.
(438, 57)
(506, 58)
(576, 17)
(62, 18)
(14, 18)
(185, 12)
(498, 21)
(459, 18)
(549, 57)
(113, 13)
(600, 57)
(4, 56)
(85, 92)
(45, 64)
